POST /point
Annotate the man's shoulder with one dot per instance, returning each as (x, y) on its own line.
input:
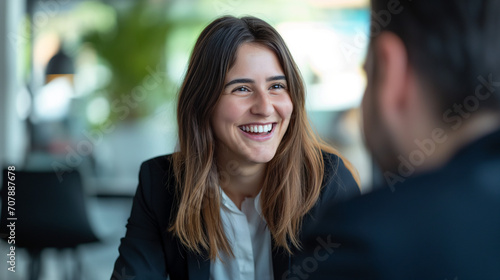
(430, 204)
(430, 224)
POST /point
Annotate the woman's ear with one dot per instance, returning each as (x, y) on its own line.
(394, 90)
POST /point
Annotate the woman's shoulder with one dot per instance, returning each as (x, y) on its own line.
(338, 180)
(156, 190)
(157, 175)
(158, 163)
(334, 165)
(338, 185)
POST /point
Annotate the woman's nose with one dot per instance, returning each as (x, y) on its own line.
(262, 104)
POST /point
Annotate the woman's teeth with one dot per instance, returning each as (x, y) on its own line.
(257, 128)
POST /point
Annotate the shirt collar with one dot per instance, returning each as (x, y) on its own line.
(257, 204)
(229, 204)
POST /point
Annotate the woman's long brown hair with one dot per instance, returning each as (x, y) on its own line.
(294, 176)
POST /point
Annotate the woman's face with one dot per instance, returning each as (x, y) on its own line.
(254, 110)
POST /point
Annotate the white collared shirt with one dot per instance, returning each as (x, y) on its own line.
(250, 241)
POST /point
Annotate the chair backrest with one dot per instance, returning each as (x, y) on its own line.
(49, 212)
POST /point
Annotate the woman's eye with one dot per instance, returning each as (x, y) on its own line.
(241, 89)
(277, 86)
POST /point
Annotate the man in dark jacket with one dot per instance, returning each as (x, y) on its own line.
(431, 115)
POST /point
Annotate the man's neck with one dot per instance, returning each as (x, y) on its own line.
(470, 131)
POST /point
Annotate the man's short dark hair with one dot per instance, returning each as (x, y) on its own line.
(454, 46)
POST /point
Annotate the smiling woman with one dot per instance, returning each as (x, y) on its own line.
(249, 176)
(254, 110)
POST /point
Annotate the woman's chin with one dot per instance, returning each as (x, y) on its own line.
(261, 158)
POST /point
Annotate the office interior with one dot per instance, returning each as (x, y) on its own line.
(88, 91)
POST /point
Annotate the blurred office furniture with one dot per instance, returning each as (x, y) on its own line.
(51, 213)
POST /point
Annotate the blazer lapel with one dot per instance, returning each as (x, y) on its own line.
(198, 267)
(281, 261)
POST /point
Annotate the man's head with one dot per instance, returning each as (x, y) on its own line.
(433, 70)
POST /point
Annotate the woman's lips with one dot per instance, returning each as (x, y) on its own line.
(258, 132)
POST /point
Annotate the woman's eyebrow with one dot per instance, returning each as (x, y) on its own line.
(243, 81)
(239, 81)
(276, 78)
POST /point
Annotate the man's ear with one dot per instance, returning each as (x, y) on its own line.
(394, 88)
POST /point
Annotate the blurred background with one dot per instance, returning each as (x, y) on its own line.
(88, 90)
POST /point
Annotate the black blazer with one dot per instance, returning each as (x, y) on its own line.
(149, 251)
(441, 225)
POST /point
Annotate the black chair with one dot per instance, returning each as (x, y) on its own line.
(50, 214)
